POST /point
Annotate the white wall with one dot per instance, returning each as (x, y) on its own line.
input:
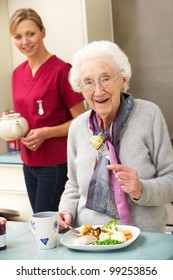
(69, 24)
(6, 65)
(64, 21)
(5, 56)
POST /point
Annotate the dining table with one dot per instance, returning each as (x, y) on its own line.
(21, 245)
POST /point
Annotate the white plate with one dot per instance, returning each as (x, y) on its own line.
(68, 240)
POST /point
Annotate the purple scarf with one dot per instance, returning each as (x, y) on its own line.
(105, 194)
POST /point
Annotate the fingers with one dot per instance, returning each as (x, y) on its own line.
(128, 179)
(34, 139)
(121, 181)
(123, 172)
(33, 147)
(65, 219)
(119, 167)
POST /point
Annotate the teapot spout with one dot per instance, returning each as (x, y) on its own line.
(17, 130)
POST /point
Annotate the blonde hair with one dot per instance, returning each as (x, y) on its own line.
(22, 14)
(99, 49)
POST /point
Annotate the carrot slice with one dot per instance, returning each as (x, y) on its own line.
(126, 231)
(127, 234)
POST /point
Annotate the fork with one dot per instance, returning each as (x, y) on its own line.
(75, 231)
(104, 151)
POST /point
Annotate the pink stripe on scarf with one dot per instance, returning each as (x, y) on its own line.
(120, 196)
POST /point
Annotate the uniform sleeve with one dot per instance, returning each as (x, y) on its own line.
(70, 97)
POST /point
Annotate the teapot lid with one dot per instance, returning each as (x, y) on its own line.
(10, 116)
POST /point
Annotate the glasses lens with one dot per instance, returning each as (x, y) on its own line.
(89, 84)
(104, 82)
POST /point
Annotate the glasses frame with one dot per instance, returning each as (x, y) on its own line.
(102, 82)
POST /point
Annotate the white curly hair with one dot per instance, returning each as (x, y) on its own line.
(99, 49)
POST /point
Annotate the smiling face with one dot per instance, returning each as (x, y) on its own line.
(101, 87)
(29, 38)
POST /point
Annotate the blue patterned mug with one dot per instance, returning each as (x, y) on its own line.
(44, 226)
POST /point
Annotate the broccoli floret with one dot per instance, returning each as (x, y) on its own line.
(111, 226)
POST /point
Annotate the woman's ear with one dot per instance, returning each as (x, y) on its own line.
(43, 32)
(124, 84)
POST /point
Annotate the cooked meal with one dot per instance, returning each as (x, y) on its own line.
(89, 230)
(85, 240)
(97, 141)
(108, 234)
(86, 229)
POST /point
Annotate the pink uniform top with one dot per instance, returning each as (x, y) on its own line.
(50, 85)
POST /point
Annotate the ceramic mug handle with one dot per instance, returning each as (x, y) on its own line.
(32, 225)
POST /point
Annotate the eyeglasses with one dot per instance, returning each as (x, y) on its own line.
(104, 82)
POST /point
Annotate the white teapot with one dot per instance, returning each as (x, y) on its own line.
(13, 127)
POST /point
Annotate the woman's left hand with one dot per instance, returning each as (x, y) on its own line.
(128, 179)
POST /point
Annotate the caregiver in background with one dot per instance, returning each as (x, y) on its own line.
(42, 94)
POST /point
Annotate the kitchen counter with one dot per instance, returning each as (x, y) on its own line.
(13, 194)
(10, 158)
(21, 245)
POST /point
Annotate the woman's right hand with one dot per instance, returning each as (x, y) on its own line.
(65, 219)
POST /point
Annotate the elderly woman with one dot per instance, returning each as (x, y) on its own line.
(120, 158)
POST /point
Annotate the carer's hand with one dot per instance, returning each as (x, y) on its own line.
(128, 179)
(65, 219)
(35, 138)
